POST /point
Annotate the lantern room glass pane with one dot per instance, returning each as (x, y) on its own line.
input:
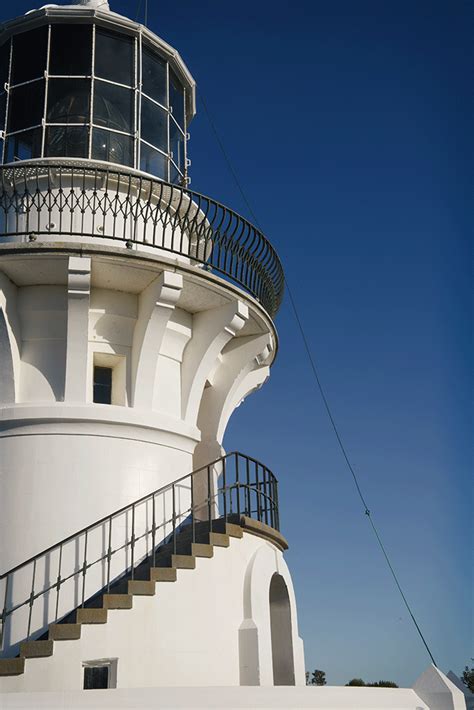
(154, 76)
(114, 107)
(23, 146)
(114, 57)
(4, 64)
(153, 162)
(71, 50)
(177, 99)
(68, 101)
(177, 144)
(175, 175)
(29, 55)
(3, 108)
(154, 128)
(67, 142)
(112, 147)
(26, 106)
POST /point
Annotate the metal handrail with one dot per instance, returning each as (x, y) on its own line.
(87, 199)
(233, 485)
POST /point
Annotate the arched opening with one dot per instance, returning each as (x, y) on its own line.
(280, 625)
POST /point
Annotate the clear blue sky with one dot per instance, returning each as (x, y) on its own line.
(349, 124)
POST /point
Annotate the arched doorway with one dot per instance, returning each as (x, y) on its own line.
(281, 633)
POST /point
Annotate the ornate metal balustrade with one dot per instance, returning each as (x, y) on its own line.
(38, 592)
(80, 198)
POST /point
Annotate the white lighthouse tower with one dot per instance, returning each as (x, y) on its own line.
(135, 316)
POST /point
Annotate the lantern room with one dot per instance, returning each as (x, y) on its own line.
(83, 82)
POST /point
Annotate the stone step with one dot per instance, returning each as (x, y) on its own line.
(12, 666)
(64, 632)
(117, 601)
(200, 549)
(218, 539)
(163, 574)
(91, 615)
(141, 587)
(36, 649)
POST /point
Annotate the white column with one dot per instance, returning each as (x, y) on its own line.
(78, 295)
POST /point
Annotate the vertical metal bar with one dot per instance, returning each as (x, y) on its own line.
(247, 478)
(58, 582)
(257, 488)
(4, 612)
(153, 531)
(174, 518)
(193, 516)
(109, 554)
(84, 569)
(32, 600)
(209, 511)
(237, 480)
(132, 542)
(224, 487)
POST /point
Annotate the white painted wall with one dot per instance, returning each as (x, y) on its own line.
(189, 633)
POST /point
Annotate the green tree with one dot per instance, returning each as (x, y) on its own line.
(468, 677)
(357, 682)
(318, 678)
(382, 684)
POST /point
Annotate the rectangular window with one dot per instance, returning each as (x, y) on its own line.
(154, 76)
(114, 57)
(152, 161)
(23, 146)
(103, 385)
(114, 107)
(112, 147)
(154, 125)
(67, 142)
(96, 677)
(71, 50)
(26, 106)
(29, 55)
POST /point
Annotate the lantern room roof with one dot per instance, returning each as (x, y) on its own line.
(99, 12)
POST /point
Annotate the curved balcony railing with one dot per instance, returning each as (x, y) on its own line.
(50, 585)
(84, 199)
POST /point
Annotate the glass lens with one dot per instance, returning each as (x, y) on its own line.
(152, 161)
(154, 76)
(68, 101)
(154, 125)
(113, 107)
(29, 55)
(4, 64)
(71, 49)
(177, 144)
(114, 56)
(67, 142)
(177, 99)
(112, 147)
(23, 146)
(26, 106)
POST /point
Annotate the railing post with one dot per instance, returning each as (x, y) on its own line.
(58, 582)
(32, 601)
(132, 543)
(248, 492)
(237, 479)
(257, 488)
(209, 511)
(193, 517)
(174, 518)
(153, 531)
(4, 612)
(109, 554)
(224, 487)
(84, 570)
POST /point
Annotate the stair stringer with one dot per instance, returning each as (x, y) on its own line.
(186, 634)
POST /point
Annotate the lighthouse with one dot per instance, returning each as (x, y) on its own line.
(135, 316)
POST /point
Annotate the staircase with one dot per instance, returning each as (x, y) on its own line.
(247, 494)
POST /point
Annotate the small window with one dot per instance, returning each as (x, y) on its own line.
(68, 101)
(154, 76)
(26, 106)
(152, 161)
(96, 677)
(112, 147)
(26, 46)
(4, 64)
(154, 125)
(177, 145)
(67, 142)
(103, 385)
(114, 107)
(177, 99)
(114, 57)
(23, 146)
(71, 50)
